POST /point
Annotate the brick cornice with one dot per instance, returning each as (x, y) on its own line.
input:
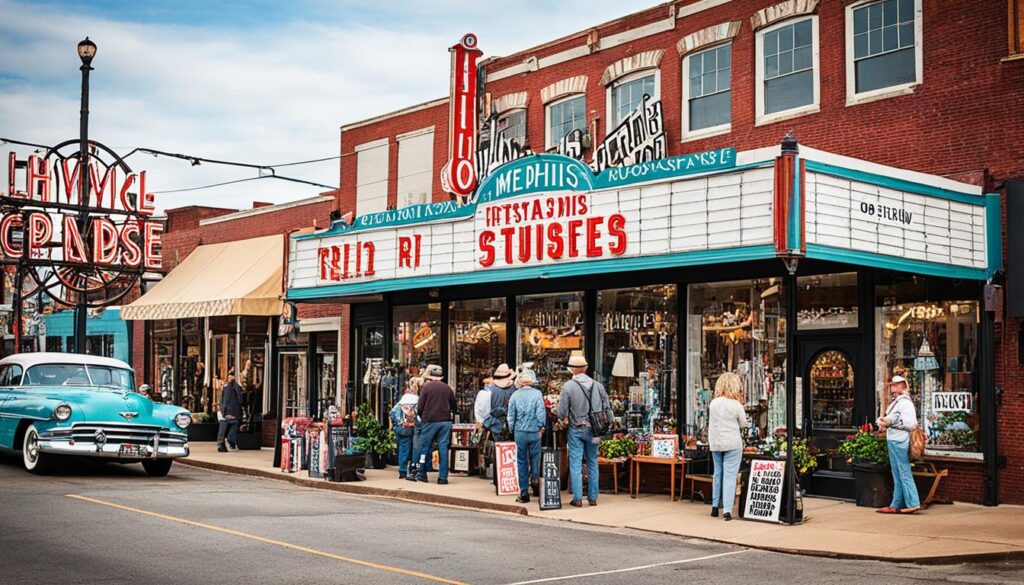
(782, 11)
(627, 65)
(712, 35)
(564, 87)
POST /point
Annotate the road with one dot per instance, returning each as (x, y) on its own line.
(104, 523)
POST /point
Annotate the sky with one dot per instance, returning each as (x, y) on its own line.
(254, 81)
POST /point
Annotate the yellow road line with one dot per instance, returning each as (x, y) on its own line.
(264, 540)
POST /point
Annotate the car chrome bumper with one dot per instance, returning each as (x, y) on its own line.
(157, 445)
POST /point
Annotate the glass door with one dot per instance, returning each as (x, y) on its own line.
(293, 384)
(830, 401)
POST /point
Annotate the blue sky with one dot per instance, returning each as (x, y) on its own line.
(253, 80)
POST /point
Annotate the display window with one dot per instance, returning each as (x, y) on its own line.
(833, 390)
(737, 327)
(417, 342)
(476, 345)
(827, 301)
(934, 345)
(550, 328)
(165, 357)
(637, 355)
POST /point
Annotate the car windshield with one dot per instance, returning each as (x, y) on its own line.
(78, 375)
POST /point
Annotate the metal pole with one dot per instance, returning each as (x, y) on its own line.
(81, 311)
(791, 394)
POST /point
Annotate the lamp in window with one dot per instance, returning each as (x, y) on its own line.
(623, 366)
(925, 360)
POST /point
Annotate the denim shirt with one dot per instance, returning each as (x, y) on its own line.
(526, 412)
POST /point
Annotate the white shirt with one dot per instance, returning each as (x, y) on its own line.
(482, 406)
(901, 414)
(726, 419)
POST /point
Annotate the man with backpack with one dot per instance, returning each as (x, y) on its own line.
(501, 392)
(585, 407)
(403, 422)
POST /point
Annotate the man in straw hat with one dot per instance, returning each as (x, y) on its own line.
(581, 395)
(435, 406)
(501, 391)
(526, 418)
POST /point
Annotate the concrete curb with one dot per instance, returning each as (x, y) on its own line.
(465, 503)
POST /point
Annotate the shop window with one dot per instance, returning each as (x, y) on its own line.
(165, 357)
(934, 345)
(564, 116)
(883, 46)
(477, 340)
(101, 345)
(637, 355)
(294, 389)
(627, 94)
(369, 352)
(54, 344)
(550, 329)
(252, 360)
(707, 95)
(737, 327)
(327, 369)
(372, 176)
(417, 341)
(787, 70)
(190, 390)
(415, 167)
(827, 301)
(832, 391)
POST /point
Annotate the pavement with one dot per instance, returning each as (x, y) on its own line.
(943, 534)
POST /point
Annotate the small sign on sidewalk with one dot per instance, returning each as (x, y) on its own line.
(764, 490)
(507, 477)
(551, 479)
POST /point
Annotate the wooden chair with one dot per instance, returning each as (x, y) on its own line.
(929, 470)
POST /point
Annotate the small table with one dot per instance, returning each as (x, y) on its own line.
(636, 464)
(614, 463)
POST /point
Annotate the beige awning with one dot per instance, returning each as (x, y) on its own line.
(234, 278)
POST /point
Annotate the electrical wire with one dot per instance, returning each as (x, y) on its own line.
(214, 185)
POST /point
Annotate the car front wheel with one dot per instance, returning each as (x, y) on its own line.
(157, 467)
(35, 461)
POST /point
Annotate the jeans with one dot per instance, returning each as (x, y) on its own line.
(581, 443)
(528, 458)
(904, 490)
(441, 432)
(727, 463)
(229, 427)
(404, 453)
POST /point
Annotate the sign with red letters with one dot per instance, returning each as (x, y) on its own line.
(506, 471)
(459, 174)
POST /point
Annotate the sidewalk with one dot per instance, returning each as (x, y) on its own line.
(942, 534)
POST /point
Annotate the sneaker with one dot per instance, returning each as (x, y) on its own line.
(222, 449)
(714, 512)
(576, 503)
(523, 500)
(441, 481)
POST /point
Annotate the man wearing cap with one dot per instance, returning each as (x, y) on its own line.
(434, 407)
(899, 420)
(501, 392)
(526, 418)
(574, 406)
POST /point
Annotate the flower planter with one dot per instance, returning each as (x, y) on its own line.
(376, 461)
(249, 441)
(873, 484)
(203, 431)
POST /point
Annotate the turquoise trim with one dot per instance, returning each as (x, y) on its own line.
(821, 252)
(892, 183)
(549, 271)
(795, 219)
(994, 232)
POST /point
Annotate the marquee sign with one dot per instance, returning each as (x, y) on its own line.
(459, 174)
(96, 244)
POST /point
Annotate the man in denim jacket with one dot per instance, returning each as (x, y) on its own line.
(526, 418)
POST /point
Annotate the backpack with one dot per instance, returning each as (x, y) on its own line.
(599, 423)
(403, 419)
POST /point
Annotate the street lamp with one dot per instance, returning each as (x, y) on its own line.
(86, 52)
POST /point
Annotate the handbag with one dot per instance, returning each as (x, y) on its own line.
(917, 442)
(599, 424)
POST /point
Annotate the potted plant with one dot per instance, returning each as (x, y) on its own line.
(869, 454)
(805, 457)
(373, 438)
(618, 447)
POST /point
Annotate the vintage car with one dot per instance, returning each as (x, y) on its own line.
(54, 404)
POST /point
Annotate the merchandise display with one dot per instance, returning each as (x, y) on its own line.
(550, 328)
(476, 344)
(417, 339)
(827, 301)
(832, 391)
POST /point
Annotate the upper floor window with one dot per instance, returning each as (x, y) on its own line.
(1015, 32)
(564, 116)
(884, 40)
(707, 91)
(372, 176)
(512, 126)
(628, 93)
(787, 70)
(415, 167)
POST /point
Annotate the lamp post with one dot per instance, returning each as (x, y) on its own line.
(86, 51)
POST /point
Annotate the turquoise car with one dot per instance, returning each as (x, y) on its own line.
(58, 404)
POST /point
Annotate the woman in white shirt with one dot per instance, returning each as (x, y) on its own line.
(900, 418)
(726, 420)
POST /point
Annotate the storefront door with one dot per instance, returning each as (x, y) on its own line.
(831, 407)
(293, 383)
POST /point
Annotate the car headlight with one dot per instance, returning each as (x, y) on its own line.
(62, 412)
(183, 419)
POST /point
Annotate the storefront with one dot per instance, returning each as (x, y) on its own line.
(666, 274)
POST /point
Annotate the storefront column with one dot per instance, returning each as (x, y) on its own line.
(791, 390)
(590, 329)
(865, 372)
(147, 350)
(682, 351)
(445, 320)
(512, 340)
(312, 388)
(988, 396)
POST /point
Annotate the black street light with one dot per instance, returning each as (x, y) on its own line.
(86, 52)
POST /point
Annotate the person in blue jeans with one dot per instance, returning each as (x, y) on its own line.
(726, 420)
(579, 396)
(403, 423)
(899, 420)
(434, 407)
(526, 418)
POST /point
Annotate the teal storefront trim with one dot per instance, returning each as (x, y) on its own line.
(994, 232)
(548, 271)
(820, 252)
(62, 325)
(894, 183)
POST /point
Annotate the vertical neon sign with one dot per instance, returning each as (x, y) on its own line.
(459, 175)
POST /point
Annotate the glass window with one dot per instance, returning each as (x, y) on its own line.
(327, 369)
(101, 345)
(512, 125)
(833, 391)
(566, 115)
(884, 43)
(934, 345)
(189, 371)
(165, 357)
(737, 327)
(637, 357)
(550, 329)
(10, 375)
(477, 341)
(293, 384)
(788, 67)
(417, 339)
(827, 301)
(628, 95)
(709, 90)
(54, 344)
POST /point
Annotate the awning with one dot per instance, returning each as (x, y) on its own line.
(234, 278)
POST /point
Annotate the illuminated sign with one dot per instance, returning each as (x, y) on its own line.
(459, 174)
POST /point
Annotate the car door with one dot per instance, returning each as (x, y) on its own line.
(8, 424)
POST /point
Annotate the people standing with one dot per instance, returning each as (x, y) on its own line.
(501, 392)
(230, 414)
(899, 420)
(482, 404)
(403, 422)
(526, 418)
(580, 396)
(726, 420)
(434, 407)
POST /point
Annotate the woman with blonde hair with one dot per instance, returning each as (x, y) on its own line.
(726, 420)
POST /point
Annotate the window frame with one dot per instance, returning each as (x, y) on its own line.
(609, 93)
(526, 129)
(854, 98)
(548, 144)
(718, 130)
(761, 118)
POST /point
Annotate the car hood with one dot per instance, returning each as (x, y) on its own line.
(109, 405)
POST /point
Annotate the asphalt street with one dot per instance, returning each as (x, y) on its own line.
(105, 523)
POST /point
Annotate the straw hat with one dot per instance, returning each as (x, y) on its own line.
(503, 376)
(433, 372)
(577, 361)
